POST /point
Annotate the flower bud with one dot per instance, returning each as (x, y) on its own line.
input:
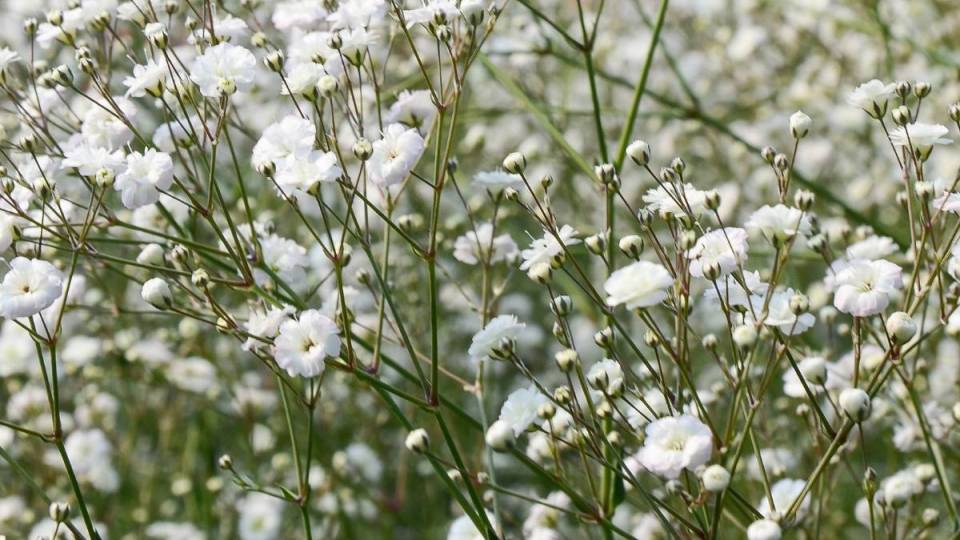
(500, 436)
(804, 199)
(712, 199)
(151, 254)
(903, 89)
(567, 359)
(156, 292)
(200, 278)
(541, 273)
(799, 125)
(764, 529)
(631, 246)
(561, 305)
(901, 115)
(781, 162)
(225, 462)
(639, 152)
(715, 478)
(768, 153)
(417, 441)
(901, 327)
(604, 338)
(328, 85)
(59, 511)
(709, 342)
(814, 369)
(515, 163)
(856, 403)
(744, 336)
(274, 61)
(954, 112)
(921, 89)
(596, 243)
(546, 411)
(799, 303)
(362, 149)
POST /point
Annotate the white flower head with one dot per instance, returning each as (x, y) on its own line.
(303, 344)
(395, 154)
(784, 493)
(641, 284)
(478, 246)
(779, 223)
(30, 286)
(548, 248)
(499, 329)
(864, 287)
(724, 248)
(920, 136)
(872, 96)
(675, 443)
(145, 175)
(519, 411)
(223, 69)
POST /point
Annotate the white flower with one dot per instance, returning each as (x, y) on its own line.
(919, 135)
(430, 11)
(415, 109)
(784, 492)
(147, 78)
(901, 487)
(864, 287)
(265, 325)
(260, 517)
(476, 246)
(814, 371)
(500, 328)
(715, 478)
(725, 248)
(463, 528)
(30, 286)
(7, 57)
(641, 284)
(395, 155)
(519, 411)
(293, 135)
(606, 375)
(302, 345)
(871, 94)
(303, 172)
(91, 456)
(497, 180)
(223, 69)
(675, 443)
(193, 374)
(872, 247)
(90, 160)
(779, 222)
(145, 175)
(799, 124)
(780, 313)
(671, 199)
(948, 201)
(544, 250)
(764, 529)
(156, 292)
(302, 78)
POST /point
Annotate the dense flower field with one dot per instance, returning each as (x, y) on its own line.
(462, 269)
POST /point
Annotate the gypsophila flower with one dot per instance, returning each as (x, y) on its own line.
(519, 411)
(395, 155)
(29, 287)
(864, 287)
(223, 69)
(920, 136)
(500, 328)
(144, 176)
(481, 246)
(871, 95)
(785, 493)
(549, 247)
(725, 248)
(303, 344)
(147, 79)
(779, 223)
(641, 284)
(675, 443)
(497, 180)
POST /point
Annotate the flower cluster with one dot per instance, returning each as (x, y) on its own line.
(476, 269)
